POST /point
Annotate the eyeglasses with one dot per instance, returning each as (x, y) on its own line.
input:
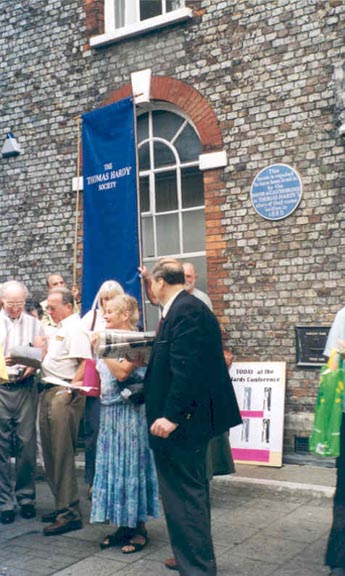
(53, 308)
(14, 304)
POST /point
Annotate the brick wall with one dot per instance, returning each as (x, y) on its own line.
(264, 70)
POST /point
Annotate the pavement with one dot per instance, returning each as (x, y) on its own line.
(266, 522)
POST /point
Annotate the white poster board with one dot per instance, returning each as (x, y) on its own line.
(260, 392)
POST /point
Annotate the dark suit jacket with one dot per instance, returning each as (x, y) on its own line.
(187, 380)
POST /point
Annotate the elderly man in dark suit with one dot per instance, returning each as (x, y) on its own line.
(189, 399)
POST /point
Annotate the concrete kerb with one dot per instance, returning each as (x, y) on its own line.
(250, 476)
(281, 485)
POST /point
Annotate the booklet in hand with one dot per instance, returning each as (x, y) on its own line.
(27, 355)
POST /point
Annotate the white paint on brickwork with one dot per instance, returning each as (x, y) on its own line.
(212, 160)
(77, 183)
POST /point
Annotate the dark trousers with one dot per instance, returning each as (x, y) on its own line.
(335, 555)
(91, 427)
(185, 496)
(17, 420)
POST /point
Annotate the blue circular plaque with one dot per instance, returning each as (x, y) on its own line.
(276, 191)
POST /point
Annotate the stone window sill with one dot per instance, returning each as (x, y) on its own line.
(141, 27)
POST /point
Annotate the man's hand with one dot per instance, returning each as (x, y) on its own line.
(76, 293)
(228, 357)
(144, 273)
(9, 361)
(163, 427)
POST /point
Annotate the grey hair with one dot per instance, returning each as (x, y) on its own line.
(14, 284)
(170, 269)
(66, 295)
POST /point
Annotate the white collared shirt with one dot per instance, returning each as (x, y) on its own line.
(169, 303)
(69, 344)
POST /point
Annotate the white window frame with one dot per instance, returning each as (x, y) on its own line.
(178, 167)
(149, 173)
(134, 28)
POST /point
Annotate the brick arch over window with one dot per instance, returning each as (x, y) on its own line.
(201, 114)
(187, 99)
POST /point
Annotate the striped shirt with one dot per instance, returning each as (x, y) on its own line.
(21, 331)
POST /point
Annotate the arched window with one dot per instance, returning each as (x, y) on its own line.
(171, 192)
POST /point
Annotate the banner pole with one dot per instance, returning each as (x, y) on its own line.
(75, 250)
(142, 283)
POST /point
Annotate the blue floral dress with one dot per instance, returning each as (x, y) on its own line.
(125, 488)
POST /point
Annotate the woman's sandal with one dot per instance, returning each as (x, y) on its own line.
(170, 563)
(136, 543)
(119, 538)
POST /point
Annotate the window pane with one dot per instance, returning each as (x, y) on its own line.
(166, 192)
(167, 235)
(152, 316)
(119, 13)
(150, 8)
(173, 5)
(144, 191)
(147, 232)
(163, 155)
(142, 127)
(144, 157)
(193, 231)
(166, 124)
(188, 144)
(192, 188)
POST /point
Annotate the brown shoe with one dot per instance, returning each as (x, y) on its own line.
(61, 526)
(170, 563)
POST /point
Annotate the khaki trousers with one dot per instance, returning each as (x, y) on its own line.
(60, 415)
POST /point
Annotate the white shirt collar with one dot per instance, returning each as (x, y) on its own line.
(169, 303)
(68, 319)
(8, 318)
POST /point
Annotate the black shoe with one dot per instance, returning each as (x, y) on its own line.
(7, 517)
(61, 526)
(49, 517)
(28, 511)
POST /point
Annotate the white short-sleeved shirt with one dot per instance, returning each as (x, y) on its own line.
(336, 333)
(65, 347)
(202, 296)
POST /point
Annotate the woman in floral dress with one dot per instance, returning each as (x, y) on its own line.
(125, 489)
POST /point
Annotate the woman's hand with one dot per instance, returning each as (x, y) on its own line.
(137, 359)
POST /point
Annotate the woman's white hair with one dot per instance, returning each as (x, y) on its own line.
(109, 289)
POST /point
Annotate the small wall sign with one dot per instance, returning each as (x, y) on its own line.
(276, 191)
(310, 344)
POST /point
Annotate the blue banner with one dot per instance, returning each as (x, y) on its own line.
(111, 237)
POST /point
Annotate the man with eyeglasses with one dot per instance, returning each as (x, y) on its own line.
(17, 406)
(61, 410)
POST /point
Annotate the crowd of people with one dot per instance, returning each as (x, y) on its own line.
(133, 450)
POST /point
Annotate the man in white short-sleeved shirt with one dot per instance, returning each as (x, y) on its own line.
(61, 411)
(18, 402)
